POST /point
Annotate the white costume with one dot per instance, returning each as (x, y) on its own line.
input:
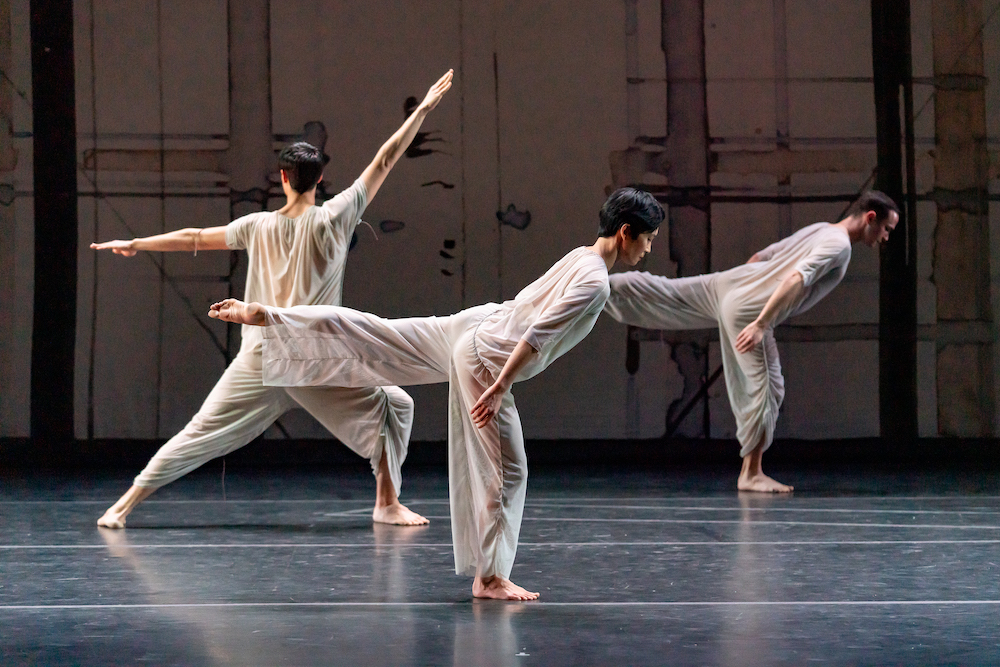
(292, 262)
(309, 346)
(730, 300)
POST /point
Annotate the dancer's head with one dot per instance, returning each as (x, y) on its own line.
(301, 166)
(633, 218)
(878, 212)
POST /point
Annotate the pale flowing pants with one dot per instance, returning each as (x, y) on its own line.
(487, 467)
(374, 422)
(753, 380)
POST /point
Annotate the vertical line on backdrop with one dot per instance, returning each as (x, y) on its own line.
(461, 142)
(96, 227)
(163, 215)
(496, 101)
(781, 111)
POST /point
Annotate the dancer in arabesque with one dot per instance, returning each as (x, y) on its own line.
(746, 302)
(297, 255)
(480, 352)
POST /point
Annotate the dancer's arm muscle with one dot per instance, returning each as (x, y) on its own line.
(211, 238)
(374, 174)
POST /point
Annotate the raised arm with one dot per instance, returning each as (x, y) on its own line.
(392, 150)
(781, 299)
(191, 239)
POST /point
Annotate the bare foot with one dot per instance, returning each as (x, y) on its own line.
(234, 310)
(762, 483)
(112, 519)
(397, 514)
(498, 588)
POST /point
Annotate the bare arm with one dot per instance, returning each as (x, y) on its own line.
(753, 258)
(781, 299)
(489, 403)
(387, 156)
(211, 238)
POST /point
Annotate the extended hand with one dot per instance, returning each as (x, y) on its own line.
(487, 406)
(438, 90)
(117, 247)
(750, 337)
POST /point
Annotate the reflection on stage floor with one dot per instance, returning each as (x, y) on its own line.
(635, 566)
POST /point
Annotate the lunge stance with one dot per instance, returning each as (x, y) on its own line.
(297, 255)
(746, 303)
(480, 352)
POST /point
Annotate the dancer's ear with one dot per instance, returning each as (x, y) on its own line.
(624, 233)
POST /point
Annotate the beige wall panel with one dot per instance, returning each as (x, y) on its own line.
(741, 109)
(830, 38)
(927, 423)
(17, 237)
(832, 110)
(831, 390)
(127, 83)
(128, 335)
(740, 230)
(15, 357)
(991, 57)
(730, 28)
(195, 66)
(649, 41)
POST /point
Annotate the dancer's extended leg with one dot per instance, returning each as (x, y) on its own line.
(237, 410)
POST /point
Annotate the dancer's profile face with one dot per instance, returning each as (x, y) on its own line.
(634, 249)
(877, 231)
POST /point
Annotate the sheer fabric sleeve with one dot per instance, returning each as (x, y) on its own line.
(830, 253)
(345, 209)
(559, 317)
(240, 231)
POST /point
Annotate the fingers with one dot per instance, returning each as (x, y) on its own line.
(481, 413)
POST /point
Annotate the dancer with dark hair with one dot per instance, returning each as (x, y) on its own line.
(480, 352)
(297, 256)
(746, 303)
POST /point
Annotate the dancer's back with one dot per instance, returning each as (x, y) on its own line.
(297, 261)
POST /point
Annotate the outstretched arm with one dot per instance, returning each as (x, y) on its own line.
(781, 299)
(489, 403)
(211, 238)
(392, 150)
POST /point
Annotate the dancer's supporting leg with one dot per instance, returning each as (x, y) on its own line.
(488, 478)
(374, 422)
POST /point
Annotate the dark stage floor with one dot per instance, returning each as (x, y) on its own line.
(634, 567)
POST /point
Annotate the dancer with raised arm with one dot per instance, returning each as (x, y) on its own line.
(746, 303)
(297, 256)
(480, 352)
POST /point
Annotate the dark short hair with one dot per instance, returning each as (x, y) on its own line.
(303, 163)
(638, 209)
(874, 200)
